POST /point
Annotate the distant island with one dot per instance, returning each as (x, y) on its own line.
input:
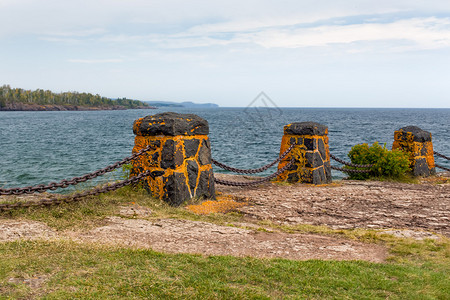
(16, 99)
(181, 104)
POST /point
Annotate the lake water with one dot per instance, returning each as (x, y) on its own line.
(39, 147)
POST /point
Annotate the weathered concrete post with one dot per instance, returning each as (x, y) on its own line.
(418, 144)
(181, 159)
(311, 154)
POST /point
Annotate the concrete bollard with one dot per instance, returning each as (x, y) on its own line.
(180, 163)
(311, 154)
(418, 144)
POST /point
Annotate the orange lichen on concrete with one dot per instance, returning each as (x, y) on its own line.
(298, 153)
(179, 161)
(220, 206)
(416, 150)
(302, 170)
(136, 126)
(310, 153)
(430, 154)
(421, 154)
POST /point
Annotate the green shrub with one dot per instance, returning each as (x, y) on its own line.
(126, 171)
(392, 164)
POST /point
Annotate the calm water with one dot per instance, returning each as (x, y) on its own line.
(39, 147)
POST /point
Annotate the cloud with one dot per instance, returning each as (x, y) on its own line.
(401, 35)
(96, 61)
(44, 16)
(428, 33)
(77, 33)
(176, 24)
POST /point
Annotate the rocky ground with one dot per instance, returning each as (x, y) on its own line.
(406, 210)
(351, 204)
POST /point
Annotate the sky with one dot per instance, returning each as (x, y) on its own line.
(318, 53)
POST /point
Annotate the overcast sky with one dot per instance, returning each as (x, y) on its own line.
(301, 53)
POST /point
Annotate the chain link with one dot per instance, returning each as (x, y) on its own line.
(65, 183)
(349, 170)
(441, 155)
(76, 196)
(253, 171)
(441, 167)
(255, 182)
(349, 163)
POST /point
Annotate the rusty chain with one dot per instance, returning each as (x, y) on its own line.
(65, 183)
(349, 163)
(441, 155)
(253, 171)
(349, 170)
(441, 167)
(76, 196)
(255, 182)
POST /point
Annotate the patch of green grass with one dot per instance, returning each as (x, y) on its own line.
(97, 272)
(403, 178)
(281, 183)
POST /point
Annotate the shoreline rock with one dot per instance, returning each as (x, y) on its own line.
(37, 107)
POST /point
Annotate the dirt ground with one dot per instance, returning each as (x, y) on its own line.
(183, 236)
(406, 210)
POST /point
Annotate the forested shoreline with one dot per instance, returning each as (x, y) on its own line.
(12, 99)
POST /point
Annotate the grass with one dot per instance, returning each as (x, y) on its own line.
(88, 271)
(404, 178)
(59, 269)
(436, 180)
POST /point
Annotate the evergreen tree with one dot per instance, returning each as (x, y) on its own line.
(41, 97)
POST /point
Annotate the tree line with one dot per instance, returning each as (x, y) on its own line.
(10, 95)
